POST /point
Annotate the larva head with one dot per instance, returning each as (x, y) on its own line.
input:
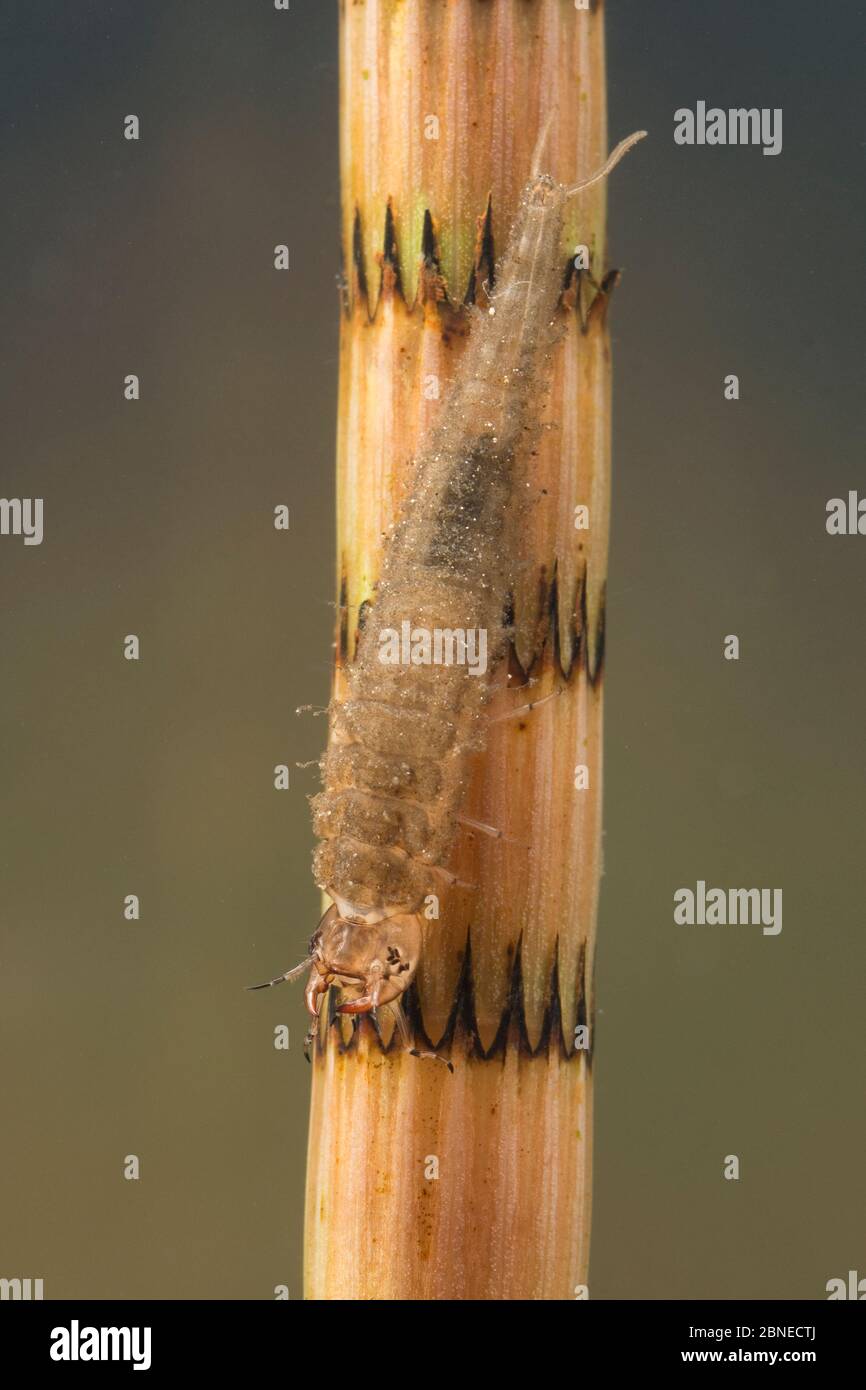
(374, 960)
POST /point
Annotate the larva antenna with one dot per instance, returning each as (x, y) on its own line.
(535, 167)
(609, 164)
(289, 975)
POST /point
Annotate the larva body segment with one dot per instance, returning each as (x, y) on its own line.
(396, 768)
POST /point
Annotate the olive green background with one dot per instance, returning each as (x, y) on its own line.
(155, 777)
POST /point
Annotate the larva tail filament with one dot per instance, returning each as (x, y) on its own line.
(609, 164)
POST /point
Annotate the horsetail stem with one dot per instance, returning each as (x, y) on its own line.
(423, 1184)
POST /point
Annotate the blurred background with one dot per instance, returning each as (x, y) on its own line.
(156, 777)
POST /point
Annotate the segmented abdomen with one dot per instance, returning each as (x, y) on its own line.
(396, 765)
(395, 769)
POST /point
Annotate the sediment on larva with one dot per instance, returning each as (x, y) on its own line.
(370, 877)
(351, 765)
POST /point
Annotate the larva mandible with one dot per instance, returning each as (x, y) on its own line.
(395, 768)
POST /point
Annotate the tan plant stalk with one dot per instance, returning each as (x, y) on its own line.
(423, 1184)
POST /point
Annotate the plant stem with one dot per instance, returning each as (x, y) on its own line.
(476, 1185)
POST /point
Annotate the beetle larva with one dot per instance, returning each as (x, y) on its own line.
(396, 765)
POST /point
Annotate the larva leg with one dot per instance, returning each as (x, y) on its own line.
(406, 1039)
(520, 710)
(490, 830)
(310, 1037)
(480, 825)
(317, 986)
(451, 879)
